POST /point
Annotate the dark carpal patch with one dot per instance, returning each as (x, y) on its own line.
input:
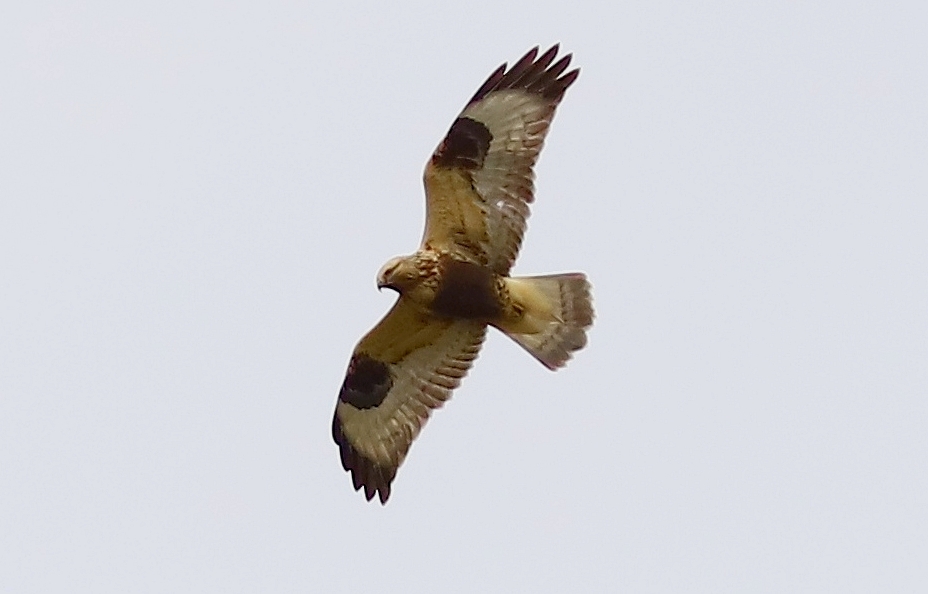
(465, 145)
(365, 473)
(367, 382)
(467, 290)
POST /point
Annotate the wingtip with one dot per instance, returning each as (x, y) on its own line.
(569, 78)
(365, 474)
(534, 73)
(530, 55)
(547, 57)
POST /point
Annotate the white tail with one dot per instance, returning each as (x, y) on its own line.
(557, 311)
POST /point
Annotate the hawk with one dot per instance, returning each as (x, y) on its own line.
(478, 187)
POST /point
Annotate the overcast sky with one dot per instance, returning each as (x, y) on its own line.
(195, 199)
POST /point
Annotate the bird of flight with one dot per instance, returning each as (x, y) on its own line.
(478, 187)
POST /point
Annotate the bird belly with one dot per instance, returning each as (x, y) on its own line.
(467, 290)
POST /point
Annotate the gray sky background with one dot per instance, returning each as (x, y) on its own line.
(196, 198)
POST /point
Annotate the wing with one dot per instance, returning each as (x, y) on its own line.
(479, 181)
(400, 371)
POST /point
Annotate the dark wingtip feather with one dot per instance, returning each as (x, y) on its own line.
(534, 69)
(489, 84)
(551, 74)
(365, 473)
(534, 74)
(524, 64)
(559, 87)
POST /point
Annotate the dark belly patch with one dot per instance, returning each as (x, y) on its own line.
(467, 290)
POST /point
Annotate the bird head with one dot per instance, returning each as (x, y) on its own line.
(398, 273)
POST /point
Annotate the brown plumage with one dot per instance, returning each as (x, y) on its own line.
(478, 185)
